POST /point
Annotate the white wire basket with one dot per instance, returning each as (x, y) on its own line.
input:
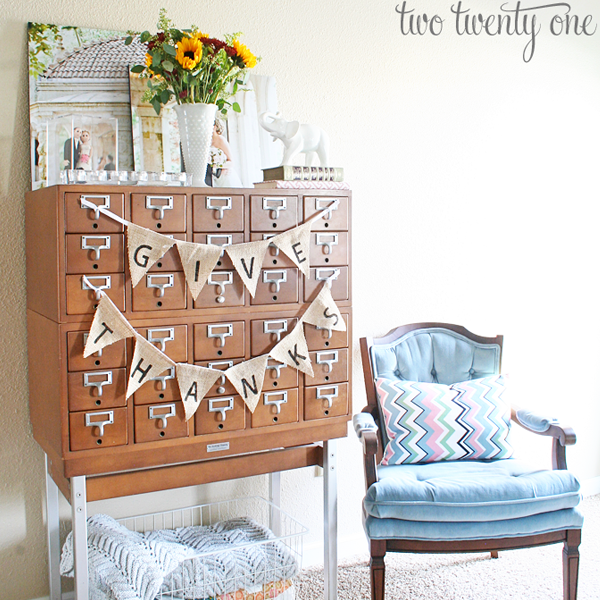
(244, 549)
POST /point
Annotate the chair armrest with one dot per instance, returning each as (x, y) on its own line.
(366, 430)
(542, 425)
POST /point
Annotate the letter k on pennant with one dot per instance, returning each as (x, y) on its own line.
(293, 351)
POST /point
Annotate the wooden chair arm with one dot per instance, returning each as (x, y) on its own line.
(369, 438)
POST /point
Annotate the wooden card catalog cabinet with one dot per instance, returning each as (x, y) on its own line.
(79, 412)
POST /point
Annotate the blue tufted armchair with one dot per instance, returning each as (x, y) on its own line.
(451, 493)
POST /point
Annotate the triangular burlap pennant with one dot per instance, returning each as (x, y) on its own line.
(194, 382)
(147, 362)
(323, 312)
(295, 243)
(198, 261)
(247, 378)
(293, 350)
(247, 260)
(109, 326)
(144, 247)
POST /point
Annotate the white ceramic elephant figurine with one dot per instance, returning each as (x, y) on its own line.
(297, 138)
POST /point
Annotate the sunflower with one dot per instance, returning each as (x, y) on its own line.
(247, 57)
(189, 52)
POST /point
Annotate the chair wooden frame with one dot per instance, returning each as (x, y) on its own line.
(373, 450)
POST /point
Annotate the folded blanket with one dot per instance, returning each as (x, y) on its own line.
(196, 562)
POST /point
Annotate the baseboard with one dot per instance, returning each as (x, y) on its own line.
(590, 487)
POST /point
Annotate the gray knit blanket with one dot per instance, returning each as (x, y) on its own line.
(189, 562)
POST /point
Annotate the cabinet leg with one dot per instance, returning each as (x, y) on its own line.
(275, 498)
(330, 518)
(53, 532)
(79, 515)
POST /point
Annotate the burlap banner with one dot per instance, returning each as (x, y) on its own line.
(247, 378)
(109, 326)
(145, 247)
(247, 260)
(198, 261)
(295, 243)
(323, 312)
(147, 362)
(194, 382)
(292, 350)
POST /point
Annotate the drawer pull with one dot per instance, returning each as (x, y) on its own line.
(106, 204)
(322, 275)
(97, 384)
(161, 336)
(87, 283)
(277, 368)
(328, 240)
(161, 416)
(214, 279)
(222, 410)
(110, 419)
(154, 281)
(274, 205)
(267, 236)
(271, 399)
(211, 239)
(321, 204)
(276, 278)
(329, 331)
(275, 327)
(221, 365)
(95, 243)
(85, 339)
(164, 378)
(220, 332)
(211, 204)
(152, 205)
(328, 361)
(322, 395)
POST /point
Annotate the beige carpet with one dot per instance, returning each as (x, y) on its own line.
(531, 574)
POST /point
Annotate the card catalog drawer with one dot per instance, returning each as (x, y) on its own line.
(222, 386)
(329, 366)
(323, 339)
(214, 212)
(159, 212)
(223, 240)
(160, 422)
(94, 253)
(109, 357)
(276, 286)
(213, 341)
(274, 258)
(339, 284)
(170, 261)
(82, 299)
(92, 390)
(325, 401)
(276, 408)
(279, 376)
(160, 291)
(98, 429)
(163, 388)
(328, 248)
(273, 213)
(266, 333)
(223, 288)
(170, 339)
(227, 413)
(79, 219)
(335, 220)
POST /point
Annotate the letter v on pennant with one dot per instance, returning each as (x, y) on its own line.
(293, 351)
(144, 248)
(198, 261)
(295, 243)
(247, 260)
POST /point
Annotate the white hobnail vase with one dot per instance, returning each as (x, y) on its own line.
(196, 123)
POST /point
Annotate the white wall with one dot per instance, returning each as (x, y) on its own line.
(475, 201)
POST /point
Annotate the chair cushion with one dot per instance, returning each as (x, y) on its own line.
(428, 422)
(472, 491)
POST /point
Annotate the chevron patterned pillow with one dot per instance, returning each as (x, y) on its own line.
(428, 422)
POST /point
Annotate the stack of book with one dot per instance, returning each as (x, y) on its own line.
(290, 176)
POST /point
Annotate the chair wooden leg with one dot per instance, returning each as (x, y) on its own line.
(571, 564)
(377, 569)
(494, 554)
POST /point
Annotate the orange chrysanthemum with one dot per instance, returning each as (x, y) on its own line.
(247, 57)
(189, 52)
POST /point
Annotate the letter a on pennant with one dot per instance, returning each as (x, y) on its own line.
(194, 382)
(247, 260)
(144, 247)
(147, 362)
(323, 312)
(109, 326)
(293, 351)
(247, 378)
(198, 261)
(295, 243)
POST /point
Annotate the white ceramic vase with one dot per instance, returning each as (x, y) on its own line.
(196, 122)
